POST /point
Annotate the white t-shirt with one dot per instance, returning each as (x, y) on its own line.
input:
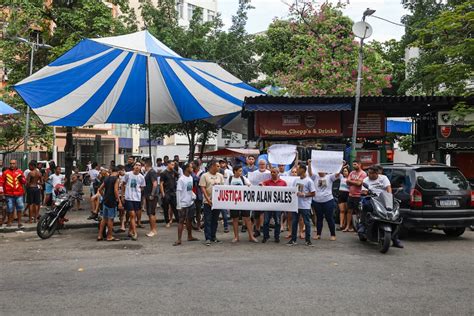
(237, 181)
(306, 186)
(323, 187)
(93, 174)
(184, 192)
(227, 174)
(56, 179)
(134, 184)
(158, 171)
(378, 185)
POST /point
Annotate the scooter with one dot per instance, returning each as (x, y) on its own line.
(382, 220)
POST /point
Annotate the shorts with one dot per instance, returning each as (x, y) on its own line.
(343, 197)
(256, 214)
(109, 212)
(33, 196)
(186, 213)
(150, 206)
(131, 206)
(238, 213)
(353, 203)
(15, 202)
(48, 188)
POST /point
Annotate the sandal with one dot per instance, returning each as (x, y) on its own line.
(193, 239)
(99, 239)
(177, 243)
(113, 239)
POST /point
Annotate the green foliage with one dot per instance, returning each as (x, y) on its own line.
(443, 32)
(314, 53)
(406, 144)
(460, 112)
(393, 52)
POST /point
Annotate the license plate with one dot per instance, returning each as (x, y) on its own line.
(448, 203)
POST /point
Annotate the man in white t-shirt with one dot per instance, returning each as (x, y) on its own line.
(259, 215)
(185, 203)
(134, 183)
(377, 184)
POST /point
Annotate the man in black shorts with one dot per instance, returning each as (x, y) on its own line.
(354, 181)
(168, 179)
(239, 179)
(151, 196)
(33, 192)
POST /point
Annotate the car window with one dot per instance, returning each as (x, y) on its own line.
(399, 179)
(450, 179)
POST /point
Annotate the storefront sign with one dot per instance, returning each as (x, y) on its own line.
(255, 198)
(368, 157)
(370, 124)
(450, 129)
(298, 124)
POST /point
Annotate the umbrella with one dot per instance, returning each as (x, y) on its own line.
(5, 109)
(131, 79)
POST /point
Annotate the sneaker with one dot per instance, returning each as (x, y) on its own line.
(309, 243)
(208, 243)
(93, 216)
(134, 237)
(277, 240)
(256, 234)
(397, 244)
(264, 240)
(217, 241)
(226, 230)
(291, 243)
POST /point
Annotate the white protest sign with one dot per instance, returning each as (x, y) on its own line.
(281, 154)
(256, 198)
(290, 180)
(258, 177)
(326, 161)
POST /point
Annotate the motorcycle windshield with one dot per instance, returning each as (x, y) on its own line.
(385, 199)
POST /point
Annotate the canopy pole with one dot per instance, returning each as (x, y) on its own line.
(148, 107)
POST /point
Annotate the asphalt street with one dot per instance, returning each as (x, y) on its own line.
(73, 274)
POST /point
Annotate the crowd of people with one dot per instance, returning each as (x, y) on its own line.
(184, 192)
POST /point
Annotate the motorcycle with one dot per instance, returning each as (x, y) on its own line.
(54, 218)
(382, 220)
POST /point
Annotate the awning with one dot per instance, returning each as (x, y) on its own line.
(298, 107)
(232, 152)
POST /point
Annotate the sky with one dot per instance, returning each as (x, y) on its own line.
(266, 10)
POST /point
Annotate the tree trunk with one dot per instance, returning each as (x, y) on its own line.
(204, 140)
(69, 156)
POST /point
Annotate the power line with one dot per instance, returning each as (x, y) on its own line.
(395, 23)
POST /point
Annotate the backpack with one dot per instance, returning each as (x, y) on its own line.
(241, 178)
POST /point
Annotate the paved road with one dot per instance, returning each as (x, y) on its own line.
(73, 274)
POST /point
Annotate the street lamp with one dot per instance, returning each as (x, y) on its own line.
(34, 46)
(362, 30)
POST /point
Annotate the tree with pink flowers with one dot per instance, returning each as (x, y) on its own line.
(314, 52)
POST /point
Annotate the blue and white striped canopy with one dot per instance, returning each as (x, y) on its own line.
(5, 109)
(105, 81)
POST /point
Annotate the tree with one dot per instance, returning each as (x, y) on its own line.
(393, 52)
(314, 53)
(233, 50)
(445, 65)
(61, 25)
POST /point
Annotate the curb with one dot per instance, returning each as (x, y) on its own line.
(92, 224)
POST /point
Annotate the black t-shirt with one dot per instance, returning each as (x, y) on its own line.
(128, 167)
(169, 181)
(109, 191)
(149, 178)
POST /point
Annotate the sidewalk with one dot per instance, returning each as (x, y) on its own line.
(77, 219)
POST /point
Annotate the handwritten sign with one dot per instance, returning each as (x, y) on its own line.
(257, 198)
(281, 154)
(258, 177)
(326, 161)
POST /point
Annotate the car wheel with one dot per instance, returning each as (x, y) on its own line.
(454, 232)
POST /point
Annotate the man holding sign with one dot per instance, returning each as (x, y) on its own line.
(306, 191)
(275, 181)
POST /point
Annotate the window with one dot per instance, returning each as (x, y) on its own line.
(226, 134)
(191, 9)
(179, 8)
(450, 179)
(210, 15)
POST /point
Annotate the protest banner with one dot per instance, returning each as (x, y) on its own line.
(255, 198)
(257, 177)
(326, 161)
(281, 154)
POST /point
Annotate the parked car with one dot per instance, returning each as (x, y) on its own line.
(432, 197)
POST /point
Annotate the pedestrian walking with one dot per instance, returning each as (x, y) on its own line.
(151, 196)
(134, 184)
